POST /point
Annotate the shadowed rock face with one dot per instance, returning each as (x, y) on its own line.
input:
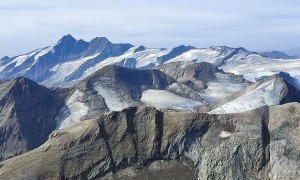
(27, 112)
(132, 143)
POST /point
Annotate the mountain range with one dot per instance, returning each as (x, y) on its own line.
(71, 60)
(99, 110)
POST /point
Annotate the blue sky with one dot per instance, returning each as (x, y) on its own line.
(256, 24)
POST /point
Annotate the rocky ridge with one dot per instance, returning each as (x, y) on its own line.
(251, 145)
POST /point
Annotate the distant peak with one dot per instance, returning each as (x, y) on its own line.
(99, 39)
(5, 58)
(140, 48)
(67, 38)
(184, 46)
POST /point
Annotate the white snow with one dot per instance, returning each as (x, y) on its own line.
(225, 134)
(72, 112)
(201, 55)
(112, 99)
(61, 71)
(108, 61)
(42, 52)
(223, 86)
(269, 93)
(164, 99)
(21, 59)
(149, 56)
(266, 67)
(143, 58)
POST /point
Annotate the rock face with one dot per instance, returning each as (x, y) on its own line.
(27, 113)
(284, 141)
(210, 146)
(205, 78)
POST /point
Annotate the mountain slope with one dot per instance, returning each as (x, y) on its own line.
(27, 112)
(114, 88)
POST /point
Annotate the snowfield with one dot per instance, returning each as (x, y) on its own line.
(269, 93)
(199, 55)
(164, 99)
(253, 71)
(222, 87)
(113, 100)
(72, 112)
(63, 70)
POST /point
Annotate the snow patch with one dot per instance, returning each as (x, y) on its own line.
(65, 69)
(72, 112)
(42, 52)
(200, 55)
(221, 86)
(21, 59)
(113, 100)
(225, 134)
(164, 99)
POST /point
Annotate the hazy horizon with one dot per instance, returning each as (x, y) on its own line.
(255, 25)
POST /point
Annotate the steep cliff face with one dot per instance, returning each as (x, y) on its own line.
(284, 141)
(27, 112)
(138, 142)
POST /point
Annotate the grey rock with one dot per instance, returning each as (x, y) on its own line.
(210, 146)
(27, 112)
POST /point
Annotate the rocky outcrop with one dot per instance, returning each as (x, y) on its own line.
(137, 142)
(206, 79)
(284, 141)
(27, 115)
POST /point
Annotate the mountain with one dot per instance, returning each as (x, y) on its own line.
(71, 60)
(69, 55)
(175, 85)
(27, 115)
(146, 122)
(113, 88)
(128, 112)
(277, 55)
